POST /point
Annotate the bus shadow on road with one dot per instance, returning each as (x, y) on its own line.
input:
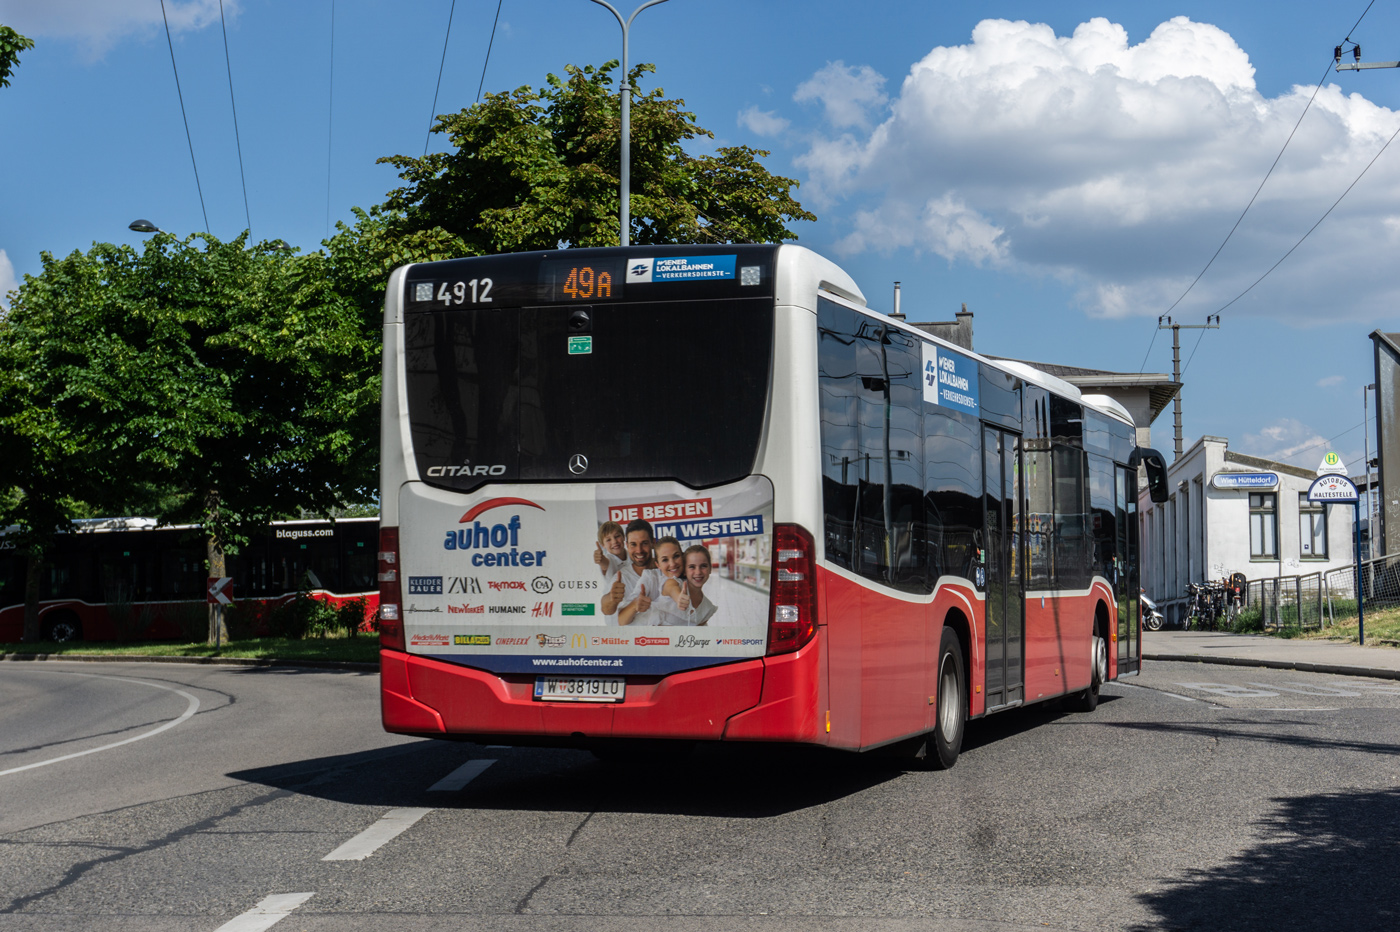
(1327, 861)
(563, 780)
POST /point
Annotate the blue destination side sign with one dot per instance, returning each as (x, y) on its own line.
(1244, 480)
(950, 379)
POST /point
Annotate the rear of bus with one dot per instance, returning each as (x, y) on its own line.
(535, 406)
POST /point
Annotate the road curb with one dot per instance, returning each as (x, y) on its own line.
(212, 661)
(1340, 669)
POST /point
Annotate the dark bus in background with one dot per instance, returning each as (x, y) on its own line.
(127, 578)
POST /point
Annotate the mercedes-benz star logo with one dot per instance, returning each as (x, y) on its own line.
(578, 464)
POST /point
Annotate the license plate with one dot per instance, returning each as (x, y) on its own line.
(580, 688)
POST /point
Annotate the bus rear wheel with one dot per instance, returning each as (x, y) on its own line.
(62, 627)
(951, 710)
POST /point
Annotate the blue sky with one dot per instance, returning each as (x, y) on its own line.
(1065, 169)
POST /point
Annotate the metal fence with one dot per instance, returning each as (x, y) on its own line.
(1313, 600)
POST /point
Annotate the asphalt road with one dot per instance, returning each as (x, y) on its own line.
(1196, 796)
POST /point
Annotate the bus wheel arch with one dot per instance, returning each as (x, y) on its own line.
(957, 622)
(1101, 640)
(61, 625)
(951, 709)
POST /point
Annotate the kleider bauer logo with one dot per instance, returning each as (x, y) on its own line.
(475, 640)
(651, 642)
(425, 585)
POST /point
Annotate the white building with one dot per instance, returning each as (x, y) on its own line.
(1231, 513)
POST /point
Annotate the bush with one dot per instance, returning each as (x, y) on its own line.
(1248, 621)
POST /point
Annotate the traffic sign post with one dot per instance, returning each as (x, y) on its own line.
(1332, 485)
(219, 592)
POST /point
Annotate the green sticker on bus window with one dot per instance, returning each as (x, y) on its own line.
(580, 346)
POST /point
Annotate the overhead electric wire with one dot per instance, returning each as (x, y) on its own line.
(488, 51)
(432, 116)
(236, 141)
(1239, 219)
(1305, 235)
(330, 122)
(181, 95)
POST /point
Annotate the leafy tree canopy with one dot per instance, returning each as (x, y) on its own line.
(532, 169)
(11, 44)
(226, 385)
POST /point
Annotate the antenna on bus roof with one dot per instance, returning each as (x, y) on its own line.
(896, 312)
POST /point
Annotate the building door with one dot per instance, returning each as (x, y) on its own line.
(1004, 564)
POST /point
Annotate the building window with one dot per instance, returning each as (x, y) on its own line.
(1312, 528)
(1263, 526)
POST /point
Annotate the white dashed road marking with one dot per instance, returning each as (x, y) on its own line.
(394, 823)
(269, 911)
(460, 777)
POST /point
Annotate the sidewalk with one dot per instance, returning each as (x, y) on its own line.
(1252, 650)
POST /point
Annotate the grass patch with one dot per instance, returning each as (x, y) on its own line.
(363, 649)
(1382, 628)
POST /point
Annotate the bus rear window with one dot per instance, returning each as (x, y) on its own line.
(666, 390)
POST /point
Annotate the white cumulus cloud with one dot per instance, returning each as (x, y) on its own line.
(849, 96)
(1289, 440)
(7, 281)
(1116, 167)
(763, 122)
(97, 25)
(1329, 381)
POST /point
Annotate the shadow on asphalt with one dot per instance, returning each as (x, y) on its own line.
(1253, 730)
(560, 780)
(1322, 862)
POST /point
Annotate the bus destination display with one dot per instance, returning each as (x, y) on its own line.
(591, 279)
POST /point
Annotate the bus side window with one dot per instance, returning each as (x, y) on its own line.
(953, 492)
(840, 438)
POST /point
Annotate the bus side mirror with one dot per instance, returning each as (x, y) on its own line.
(1156, 466)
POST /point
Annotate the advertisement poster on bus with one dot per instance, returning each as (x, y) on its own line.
(637, 577)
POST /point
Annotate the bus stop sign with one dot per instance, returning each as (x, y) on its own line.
(1332, 488)
(220, 590)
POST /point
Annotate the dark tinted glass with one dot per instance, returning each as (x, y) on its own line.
(667, 390)
(1066, 420)
(1000, 397)
(1102, 474)
(1072, 542)
(953, 491)
(1107, 436)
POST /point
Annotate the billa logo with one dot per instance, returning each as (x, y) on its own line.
(477, 640)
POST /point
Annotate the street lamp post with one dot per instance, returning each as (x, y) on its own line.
(626, 92)
(143, 226)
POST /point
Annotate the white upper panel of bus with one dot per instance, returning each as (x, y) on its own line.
(801, 273)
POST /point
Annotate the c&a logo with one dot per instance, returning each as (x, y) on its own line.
(579, 641)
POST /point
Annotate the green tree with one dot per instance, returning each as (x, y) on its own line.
(11, 44)
(226, 385)
(535, 168)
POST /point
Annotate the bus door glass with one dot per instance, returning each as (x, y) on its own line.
(1003, 563)
(1129, 606)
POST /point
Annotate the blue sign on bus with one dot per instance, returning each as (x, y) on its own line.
(950, 379)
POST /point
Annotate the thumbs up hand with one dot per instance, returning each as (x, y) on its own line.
(684, 601)
(599, 557)
(643, 603)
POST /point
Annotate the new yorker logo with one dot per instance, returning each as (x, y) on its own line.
(494, 544)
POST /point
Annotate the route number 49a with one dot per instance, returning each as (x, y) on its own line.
(456, 292)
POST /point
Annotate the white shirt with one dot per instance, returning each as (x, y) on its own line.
(632, 583)
(702, 612)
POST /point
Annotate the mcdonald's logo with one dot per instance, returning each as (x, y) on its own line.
(579, 641)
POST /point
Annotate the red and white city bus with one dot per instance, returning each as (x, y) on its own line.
(705, 493)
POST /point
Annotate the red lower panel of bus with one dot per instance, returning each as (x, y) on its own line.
(765, 699)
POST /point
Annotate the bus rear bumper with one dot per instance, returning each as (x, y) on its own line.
(764, 699)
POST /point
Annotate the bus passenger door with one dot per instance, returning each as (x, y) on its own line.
(1126, 583)
(1004, 562)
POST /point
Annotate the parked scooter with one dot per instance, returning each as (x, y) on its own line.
(1151, 615)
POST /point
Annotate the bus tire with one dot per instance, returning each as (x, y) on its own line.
(951, 710)
(1087, 700)
(62, 627)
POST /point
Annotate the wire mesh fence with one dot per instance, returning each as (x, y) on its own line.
(1314, 600)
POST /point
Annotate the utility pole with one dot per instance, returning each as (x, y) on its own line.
(1358, 64)
(1166, 323)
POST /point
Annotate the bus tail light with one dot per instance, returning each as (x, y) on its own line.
(390, 590)
(792, 612)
